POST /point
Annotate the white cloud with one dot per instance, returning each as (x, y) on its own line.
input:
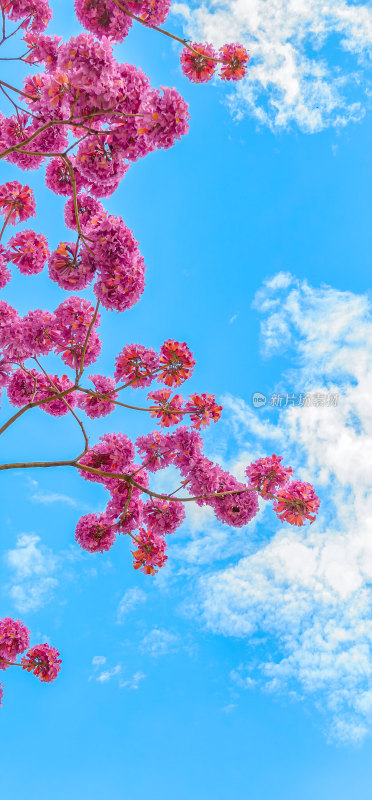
(133, 682)
(107, 675)
(132, 598)
(47, 498)
(159, 642)
(98, 661)
(32, 566)
(309, 60)
(115, 673)
(302, 598)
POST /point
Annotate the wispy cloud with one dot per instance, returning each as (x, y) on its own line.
(115, 673)
(32, 566)
(309, 61)
(160, 642)
(304, 595)
(132, 598)
(48, 498)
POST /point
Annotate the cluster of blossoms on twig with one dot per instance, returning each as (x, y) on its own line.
(87, 117)
(42, 659)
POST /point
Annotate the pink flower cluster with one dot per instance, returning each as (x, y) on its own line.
(84, 83)
(42, 660)
(106, 18)
(199, 62)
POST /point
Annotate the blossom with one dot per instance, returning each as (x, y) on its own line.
(40, 332)
(98, 406)
(113, 453)
(74, 317)
(296, 502)
(163, 516)
(187, 447)
(28, 251)
(125, 505)
(235, 59)
(5, 273)
(14, 639)
(121, 270)
(168, 411)
(103, 18)
(26, 387)
(136, 365)
(88, 207)
(157, 450)
(58, 177)
(163, 118)
(95, 533)
(100, 165)
(234, 509)
(203, 409)
(58, 406)
(35, 13)
(150, 553)
(69, 268)
(44, 661)
(177, 363)
(201, 66)
(266, 474)
(43, 49)
(89, 64)
(16, 202)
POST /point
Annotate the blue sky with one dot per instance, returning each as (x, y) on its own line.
(244, 670)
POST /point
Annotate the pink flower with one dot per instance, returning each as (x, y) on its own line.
(296, 502)
(26, 387)
(58, 407)
(42, 49)
(17, 201)
(88, 207)
(234, 509)
(40, 332)
(14, 639)
(28, 251)
(95, 533)
(164, 118)
(267, 474)
(124, 507)
(163, 517)
(199, 68)
(97, 406)
(136, 365)
(150, 553)
(88, 64)
(70, 268)
(74, 317)
(121, 267)
(35, 13)
(235, 59)
(103, 18)
(203, 409)
(113, 453)
(156, 449)
(43, 661)
(100, 165)
(177, 363)
(168, 411)
(187, 448)
(58, 178)
(5, 274)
